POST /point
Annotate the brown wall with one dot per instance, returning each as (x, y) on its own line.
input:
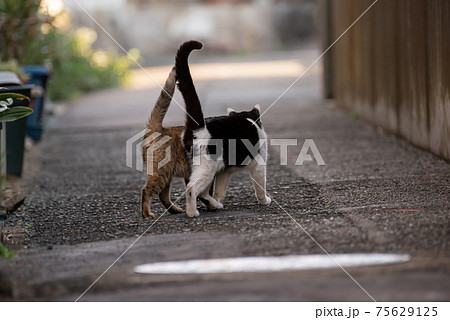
(393, 67)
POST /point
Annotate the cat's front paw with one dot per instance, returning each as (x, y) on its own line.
(266, 200)
(192, 214)
(147, 214)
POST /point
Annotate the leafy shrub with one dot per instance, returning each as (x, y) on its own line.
(77, 68)
(20, 23)
(29, 36)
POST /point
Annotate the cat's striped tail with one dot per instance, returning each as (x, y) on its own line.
(163, 103)
(194, 117)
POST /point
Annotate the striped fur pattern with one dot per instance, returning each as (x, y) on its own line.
(159, 182)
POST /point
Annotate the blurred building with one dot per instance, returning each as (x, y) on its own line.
(157, 27)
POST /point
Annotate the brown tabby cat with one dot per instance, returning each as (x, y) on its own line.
(168, 157)
(160, 179)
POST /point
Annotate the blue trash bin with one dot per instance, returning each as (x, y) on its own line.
(39, 76)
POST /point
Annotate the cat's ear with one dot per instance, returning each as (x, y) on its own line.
(257, 107)
(231, 111)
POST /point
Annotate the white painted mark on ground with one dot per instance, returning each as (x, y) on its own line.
(270, 264)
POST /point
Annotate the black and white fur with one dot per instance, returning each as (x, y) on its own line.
(240, 127)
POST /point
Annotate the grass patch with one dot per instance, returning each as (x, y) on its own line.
(5, 253)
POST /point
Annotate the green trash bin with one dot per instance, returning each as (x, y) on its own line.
(15, 133)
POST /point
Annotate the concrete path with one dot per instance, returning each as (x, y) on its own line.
(376, 193)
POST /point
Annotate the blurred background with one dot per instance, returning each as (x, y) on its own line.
(67, 36)
(390, 68)
(157, 27)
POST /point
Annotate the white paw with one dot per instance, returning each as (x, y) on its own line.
(192, 214)
(265, 201)
(213, 204)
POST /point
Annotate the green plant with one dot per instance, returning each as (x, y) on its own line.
(78, 68)
(29, 36)
(11, 114)
(354, 115)
(5, 253)
(20, 27)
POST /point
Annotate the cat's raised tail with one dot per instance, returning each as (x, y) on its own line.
(162, 104)
(194, 117)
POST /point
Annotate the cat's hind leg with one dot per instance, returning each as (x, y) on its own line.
(153, 185)
(258, 174)
(146, 198)
(164, 196)
(221, 184)
(208, 200)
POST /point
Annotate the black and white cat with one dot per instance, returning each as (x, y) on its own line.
(238, 142)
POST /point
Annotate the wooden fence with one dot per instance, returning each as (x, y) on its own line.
(392, 67)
